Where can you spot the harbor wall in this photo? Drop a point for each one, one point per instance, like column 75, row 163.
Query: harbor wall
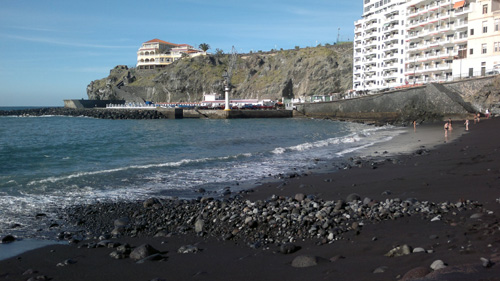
column 434, row 101
column 233, row 114
column 90, row 103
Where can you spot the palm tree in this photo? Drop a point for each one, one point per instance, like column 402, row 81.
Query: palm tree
column 204, row 47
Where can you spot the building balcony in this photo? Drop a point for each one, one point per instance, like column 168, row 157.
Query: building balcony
column 462, row 11
column 430, row 69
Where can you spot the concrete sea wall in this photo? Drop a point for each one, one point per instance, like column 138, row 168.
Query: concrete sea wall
column 433, row 101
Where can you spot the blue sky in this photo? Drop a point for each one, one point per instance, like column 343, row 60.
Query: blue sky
column 51, row 50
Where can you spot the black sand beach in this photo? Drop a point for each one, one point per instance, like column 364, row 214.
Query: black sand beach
column 435, row 204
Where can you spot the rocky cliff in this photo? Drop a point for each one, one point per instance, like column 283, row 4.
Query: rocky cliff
column 290, row 73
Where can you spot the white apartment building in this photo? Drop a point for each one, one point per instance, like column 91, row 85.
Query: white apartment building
column 158, row 53
column 379, row 45
column 436, row 35
column 483, row 48
column 401, row 43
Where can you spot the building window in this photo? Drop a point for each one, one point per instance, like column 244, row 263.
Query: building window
column 472, row 31
column 485, row 26
column 497, row 46
column 483, row 48
column 497, row 24
column 471, row 51
column 485, row 9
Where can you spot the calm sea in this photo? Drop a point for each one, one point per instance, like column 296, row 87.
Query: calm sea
column 53, row 161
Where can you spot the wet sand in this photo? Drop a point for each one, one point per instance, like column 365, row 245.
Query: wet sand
column 464, row 170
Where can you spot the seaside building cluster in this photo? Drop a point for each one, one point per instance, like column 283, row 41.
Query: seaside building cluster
column 157, row 53
column 405, row 43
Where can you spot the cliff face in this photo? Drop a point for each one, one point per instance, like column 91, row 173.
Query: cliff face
column 290, row 73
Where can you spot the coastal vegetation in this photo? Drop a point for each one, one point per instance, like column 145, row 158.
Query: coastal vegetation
column 300, row 72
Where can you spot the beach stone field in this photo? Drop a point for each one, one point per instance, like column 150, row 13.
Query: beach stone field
column 275, row 221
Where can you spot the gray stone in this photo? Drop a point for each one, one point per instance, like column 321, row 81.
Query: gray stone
column 300, row 197
column 438, row 264
column 305, row 261
column 149, row 202
column 399, row 251
column 198, row 225
column 476, row 216
column 353, row 197
column 188, row 249
column 289, row 248
column 117, row 255
column 66, row 262
column 118, row 230
column 415, row 273
column 486, row 262
column 419, row 250
column 124, row 221
column 8, row 239
column 142, row 252
column 381, row 269
column 124, row 249
column 339, row 205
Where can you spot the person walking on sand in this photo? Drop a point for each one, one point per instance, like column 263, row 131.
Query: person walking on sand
column 466, row 124
column 478, row 117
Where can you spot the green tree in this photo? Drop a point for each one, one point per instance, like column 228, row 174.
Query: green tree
column 219, row 52
column 204, row 47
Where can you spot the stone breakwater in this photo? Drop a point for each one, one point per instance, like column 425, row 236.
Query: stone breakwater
column 262, row 223
column 93, row 113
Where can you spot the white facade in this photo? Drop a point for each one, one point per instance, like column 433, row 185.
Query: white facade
column 401, row 43
column 158, row 53
column 437, row 34
column 483, row 49
column 379, row 45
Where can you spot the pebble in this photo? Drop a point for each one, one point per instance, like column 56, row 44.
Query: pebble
column 66, row 262
column 353, row 197
column 188, row 249
column 399, row 251
column 476, row 216
column 415, row 273
column 438, row 264
column 436, row 218
column 198, row 226
column 305, row 261
column 381, row 269
column 486, row 262
column 8, row 239
column 300, row 197
column 143, row 251
column 419, row 250
column 289, row 248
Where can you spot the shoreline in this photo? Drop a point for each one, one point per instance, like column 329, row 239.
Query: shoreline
column 405, row 175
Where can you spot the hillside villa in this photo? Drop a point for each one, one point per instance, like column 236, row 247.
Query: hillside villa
column 157, row 53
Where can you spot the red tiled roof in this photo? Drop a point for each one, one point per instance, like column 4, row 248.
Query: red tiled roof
column 161, row 41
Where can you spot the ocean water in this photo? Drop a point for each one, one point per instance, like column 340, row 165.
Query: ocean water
column 52, row 162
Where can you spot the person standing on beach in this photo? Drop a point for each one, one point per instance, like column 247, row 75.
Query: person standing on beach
column 449, row 124
column 414, row 125
column 446, row 126
column 466, row 124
